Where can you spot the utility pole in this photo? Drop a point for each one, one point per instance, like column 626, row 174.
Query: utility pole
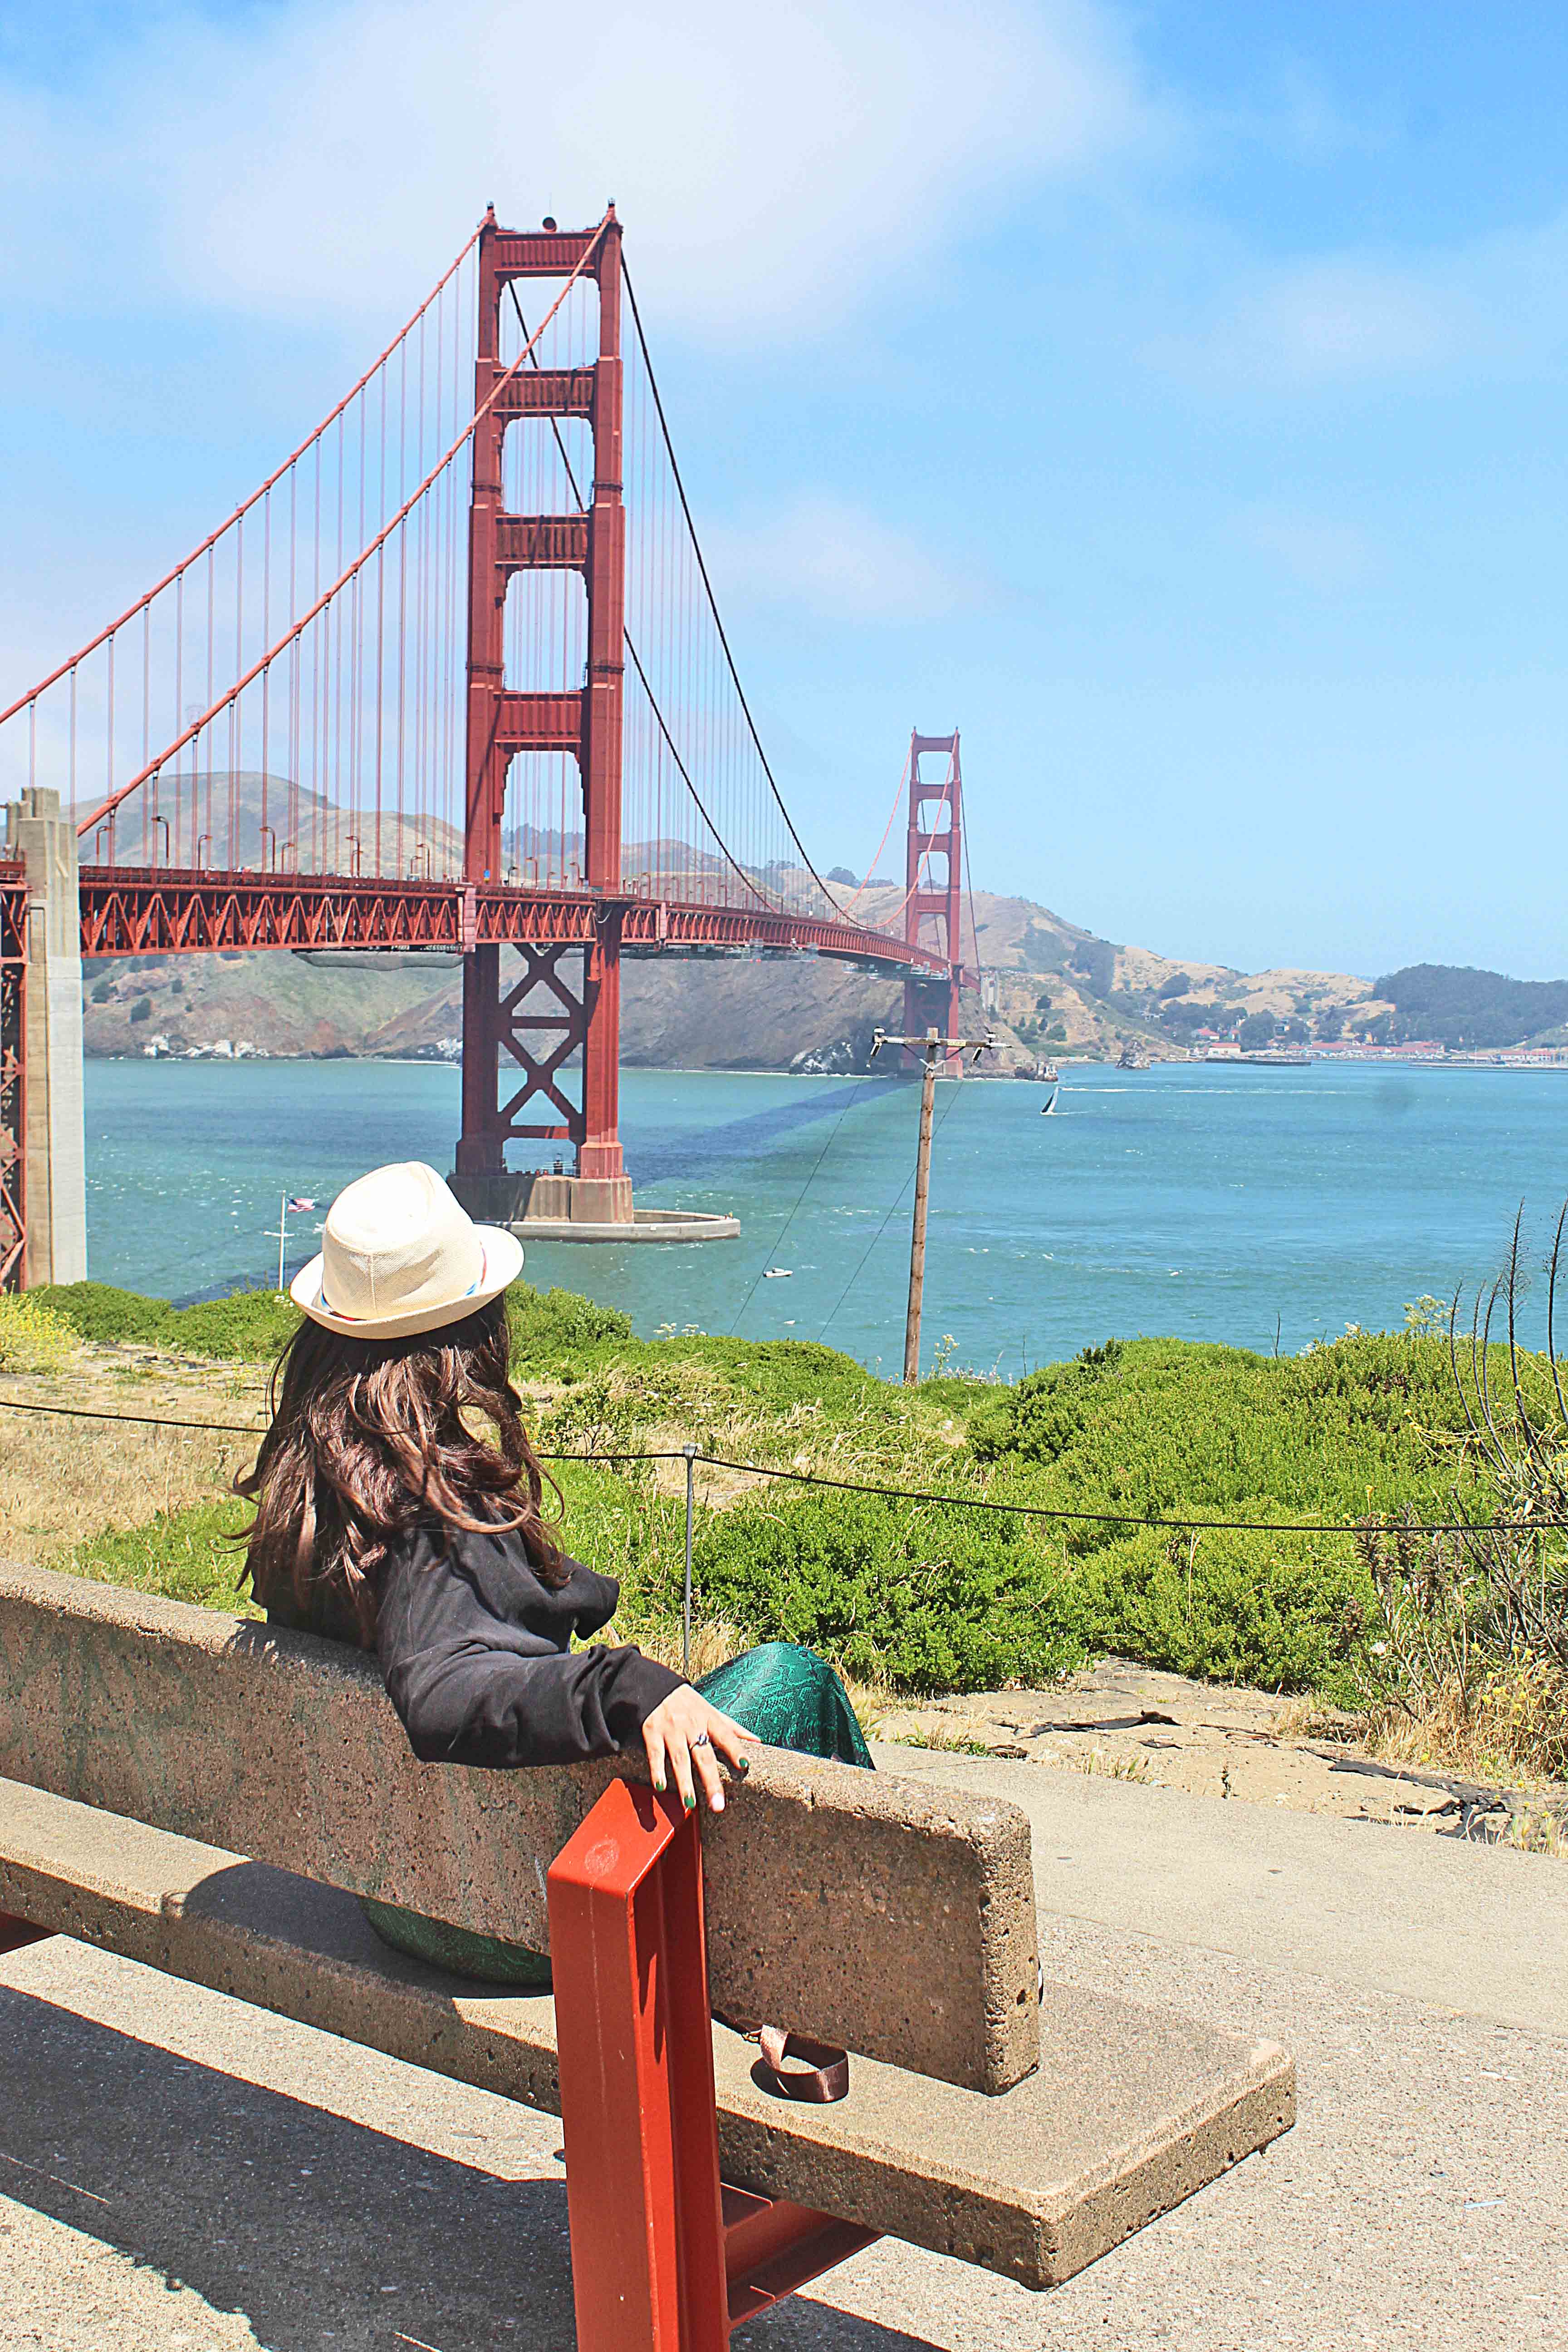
column 935, row 1048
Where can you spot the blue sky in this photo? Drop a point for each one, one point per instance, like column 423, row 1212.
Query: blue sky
column 1170, row 397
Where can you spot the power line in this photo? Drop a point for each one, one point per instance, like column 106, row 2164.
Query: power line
column 892, row 1210
column 789, row 1220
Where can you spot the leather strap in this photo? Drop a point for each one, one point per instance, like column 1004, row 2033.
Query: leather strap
column 821, row 2073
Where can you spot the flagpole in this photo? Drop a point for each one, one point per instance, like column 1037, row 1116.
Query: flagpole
column 282, row 1230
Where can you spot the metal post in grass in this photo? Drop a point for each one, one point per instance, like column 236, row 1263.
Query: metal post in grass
column 690, row 1452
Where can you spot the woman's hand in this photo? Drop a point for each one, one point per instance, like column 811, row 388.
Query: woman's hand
column 684, row 1732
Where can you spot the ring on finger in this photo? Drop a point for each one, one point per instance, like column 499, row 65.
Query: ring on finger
column 702, row 1740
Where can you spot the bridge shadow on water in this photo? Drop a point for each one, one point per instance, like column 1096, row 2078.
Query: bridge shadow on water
column 661, row 1153
column 672, row 1152
column 317, row 2231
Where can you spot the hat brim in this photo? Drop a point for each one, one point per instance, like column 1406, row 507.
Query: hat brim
column 502, row 1264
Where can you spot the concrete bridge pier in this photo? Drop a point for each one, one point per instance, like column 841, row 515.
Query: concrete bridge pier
column 43, row 840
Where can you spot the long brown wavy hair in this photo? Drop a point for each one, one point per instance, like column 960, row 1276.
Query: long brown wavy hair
column 368, row 1440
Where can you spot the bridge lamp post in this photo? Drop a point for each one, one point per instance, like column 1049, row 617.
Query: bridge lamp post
column 269, row 864
column 201, row 862
column 168, row 857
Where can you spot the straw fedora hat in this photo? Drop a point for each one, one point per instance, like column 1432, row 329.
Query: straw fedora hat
column 399, row 1255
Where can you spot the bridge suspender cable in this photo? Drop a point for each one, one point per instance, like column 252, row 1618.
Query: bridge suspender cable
column 258, row 669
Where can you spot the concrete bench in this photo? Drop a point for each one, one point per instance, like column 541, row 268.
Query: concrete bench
column 207, row 1796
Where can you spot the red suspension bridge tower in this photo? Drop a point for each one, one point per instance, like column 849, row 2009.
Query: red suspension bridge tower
column 933, row 868
column 540, row 1022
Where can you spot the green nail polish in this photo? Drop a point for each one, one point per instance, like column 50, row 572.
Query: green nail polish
column 659, row 1787
column 688, row 1802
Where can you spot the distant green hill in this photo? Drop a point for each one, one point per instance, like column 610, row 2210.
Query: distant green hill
column 1457, row 1006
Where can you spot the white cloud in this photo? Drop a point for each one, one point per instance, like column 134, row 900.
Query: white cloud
column 838, row 562
column 1492, row 305
column 771, row 165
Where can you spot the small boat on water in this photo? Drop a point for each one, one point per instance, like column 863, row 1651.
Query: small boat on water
column 778, row 1273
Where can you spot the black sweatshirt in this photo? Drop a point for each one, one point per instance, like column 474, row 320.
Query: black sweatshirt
column 477, row 1654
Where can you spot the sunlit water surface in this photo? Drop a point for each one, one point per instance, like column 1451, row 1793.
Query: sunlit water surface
column 1252, row 1205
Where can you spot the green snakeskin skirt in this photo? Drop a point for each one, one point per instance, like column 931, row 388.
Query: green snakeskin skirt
column 784, row 1694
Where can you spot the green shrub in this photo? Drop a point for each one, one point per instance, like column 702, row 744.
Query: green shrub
column 552, row 1328
column 1234, row 1608
column 928, row 1599
column 34, row 1336
column 251, row 1325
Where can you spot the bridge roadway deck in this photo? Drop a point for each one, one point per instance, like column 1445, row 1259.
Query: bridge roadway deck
column 162, row 910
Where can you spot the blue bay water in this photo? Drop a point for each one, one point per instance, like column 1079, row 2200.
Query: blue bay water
column 1210, row 1202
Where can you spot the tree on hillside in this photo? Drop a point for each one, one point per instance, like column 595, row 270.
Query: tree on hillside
column 1257, row 1030
column 1459, row 1006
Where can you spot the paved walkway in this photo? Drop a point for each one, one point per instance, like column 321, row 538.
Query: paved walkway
column 177, row 2170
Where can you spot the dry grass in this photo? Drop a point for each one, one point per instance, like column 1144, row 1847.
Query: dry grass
column 64, row 1482
column 1513, row 1731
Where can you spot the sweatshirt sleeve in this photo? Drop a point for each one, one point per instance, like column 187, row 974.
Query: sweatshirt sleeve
column 472, row 1688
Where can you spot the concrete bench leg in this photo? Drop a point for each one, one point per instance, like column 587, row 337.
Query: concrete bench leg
column 663, row 2258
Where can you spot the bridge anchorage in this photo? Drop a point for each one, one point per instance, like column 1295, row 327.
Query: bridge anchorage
column 453, row 681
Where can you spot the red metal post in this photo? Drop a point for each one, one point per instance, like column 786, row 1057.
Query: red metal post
column 663, row 2257
column 587, row 723
column 933, row 889
column 636, row 2079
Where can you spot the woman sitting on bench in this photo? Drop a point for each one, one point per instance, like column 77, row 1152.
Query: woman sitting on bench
column 398, row 1505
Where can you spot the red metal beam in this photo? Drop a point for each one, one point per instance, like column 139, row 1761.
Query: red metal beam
column 550, row 542
column 163, row 911
column 665, row 2257
column 538, row 722
column 545, row 392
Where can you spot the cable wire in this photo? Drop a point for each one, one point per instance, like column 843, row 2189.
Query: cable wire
column 897, row 1494
column 631, row 648
column 789, row 1220
column 887, row 1221
column 708, row 586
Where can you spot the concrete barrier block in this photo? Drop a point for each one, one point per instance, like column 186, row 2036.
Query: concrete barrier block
column 896, row 1919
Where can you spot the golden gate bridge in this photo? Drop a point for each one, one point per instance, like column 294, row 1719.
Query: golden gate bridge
column 453, row 677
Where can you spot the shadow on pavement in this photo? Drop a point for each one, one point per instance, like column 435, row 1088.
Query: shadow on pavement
column 320, row 2231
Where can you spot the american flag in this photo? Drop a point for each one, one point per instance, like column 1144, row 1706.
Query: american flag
column 297, row 1203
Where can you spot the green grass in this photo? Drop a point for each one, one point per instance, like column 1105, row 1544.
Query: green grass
column 180, row 1555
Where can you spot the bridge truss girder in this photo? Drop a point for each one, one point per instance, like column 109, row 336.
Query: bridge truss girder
column 160, row 910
